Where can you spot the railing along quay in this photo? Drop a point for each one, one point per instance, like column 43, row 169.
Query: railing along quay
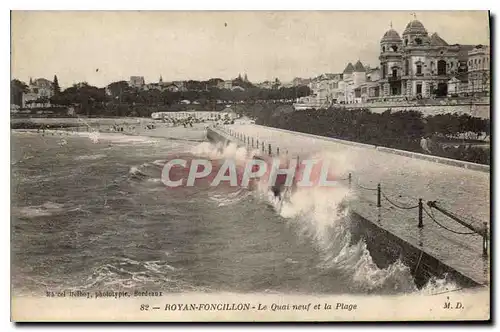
column 474, row 226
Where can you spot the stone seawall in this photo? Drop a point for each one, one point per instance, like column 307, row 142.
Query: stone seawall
column 385, row 245
column 422, row 265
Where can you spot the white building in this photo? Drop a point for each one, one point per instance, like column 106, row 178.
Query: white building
column 39, row 92
column 479, row 69
column 137, row 82
column 228, row 85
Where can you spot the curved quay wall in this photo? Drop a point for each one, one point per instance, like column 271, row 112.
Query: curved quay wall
column 384, row 246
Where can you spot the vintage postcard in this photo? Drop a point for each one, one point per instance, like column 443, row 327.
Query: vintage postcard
column 250, row 166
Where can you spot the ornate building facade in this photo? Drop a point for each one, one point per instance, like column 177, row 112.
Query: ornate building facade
column 413, row 65
column 419, row 65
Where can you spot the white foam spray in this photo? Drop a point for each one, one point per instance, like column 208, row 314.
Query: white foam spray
column 321, row 215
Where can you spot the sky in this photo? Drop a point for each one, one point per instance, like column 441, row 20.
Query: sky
column 101, row 47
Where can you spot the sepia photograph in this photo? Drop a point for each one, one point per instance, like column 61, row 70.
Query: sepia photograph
column 250, row 166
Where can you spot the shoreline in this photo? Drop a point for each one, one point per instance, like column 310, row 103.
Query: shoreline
column 197, row 133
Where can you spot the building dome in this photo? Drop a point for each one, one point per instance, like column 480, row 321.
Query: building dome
column 391, row 36
column 415, row 27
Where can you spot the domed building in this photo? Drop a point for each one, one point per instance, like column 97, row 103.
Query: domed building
column 391, row 61
column 417, row 65
column 413, row 65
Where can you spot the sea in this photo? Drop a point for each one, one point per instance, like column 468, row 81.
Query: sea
column 89, row 212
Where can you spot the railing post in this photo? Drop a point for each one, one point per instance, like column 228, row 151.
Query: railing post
column 350, row 179
column 485, row 240
column 420, row 215
column 378, row 195
column 252, row 142
column 262, row 146
column 257, row 144
column 270, row 151
column 278, row 150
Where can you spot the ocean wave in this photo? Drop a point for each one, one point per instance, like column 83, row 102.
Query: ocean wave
column 116, row 138
column 437, row 286
column 321, row 215
column 317, row 215
column 159, row 162
column 231, row 198
column 221, row 151
column 90, row 157
column 133, row 274
column 44, row 210
column 136, row 171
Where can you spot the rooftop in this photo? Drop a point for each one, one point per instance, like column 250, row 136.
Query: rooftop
column 359, row 68
column 349, row 69
column 415, row 27
column 436, row 40
column 391, row 36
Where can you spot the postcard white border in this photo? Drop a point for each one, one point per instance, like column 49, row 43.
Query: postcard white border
column 186, row 5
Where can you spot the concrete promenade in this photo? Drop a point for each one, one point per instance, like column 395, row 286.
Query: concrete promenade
column 403, row 181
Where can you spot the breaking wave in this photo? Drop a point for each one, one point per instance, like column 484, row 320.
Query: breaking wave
column 230, row 198
column 90, row 157
column 321, row 216
column 220, row 151
column 44, row 210
column 126, row 273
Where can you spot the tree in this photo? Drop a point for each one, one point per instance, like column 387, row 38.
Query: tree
column 116, row 89
column 55, row 86
column 276, row 83
column 87, row 97
column 213, row 82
